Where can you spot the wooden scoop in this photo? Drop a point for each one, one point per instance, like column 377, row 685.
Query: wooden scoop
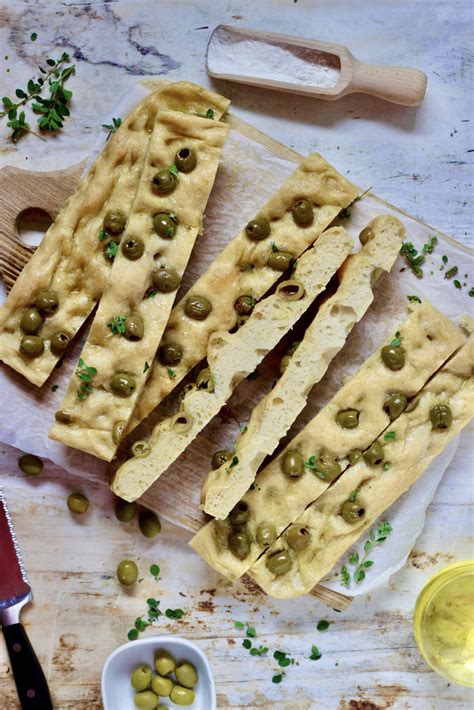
column 400, row 85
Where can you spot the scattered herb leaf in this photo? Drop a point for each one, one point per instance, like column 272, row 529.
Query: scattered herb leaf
column 413, row 259
column 111, row 250
column 246, row 643
column 151, row 293
column 323, row 625
column 33, row 36
column 210, row 113
column 428, row 248
column 174, row 170
column 251, row 631
column 277, row 678
column 414, row 299
column 375, row 539
column 234, row 462
column 386, row 466
column 283, row 659
column 174, row 613
column 444, row 259
column 146, row 367
column 389, row 436
column 132, row 635
column 171, row 372
column 155, row 571
column 397, row 341
column 258, row 651
column 86, row 375
column 239, row 625
column 457, row 284
column 117, row 326
column 102, row 235
column 112, row 127
column 315, row 653
column 353, row 496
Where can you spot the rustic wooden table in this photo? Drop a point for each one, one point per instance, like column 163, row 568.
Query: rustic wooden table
column 420, row 161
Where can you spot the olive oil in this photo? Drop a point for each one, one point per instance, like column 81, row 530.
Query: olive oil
column 444, row 622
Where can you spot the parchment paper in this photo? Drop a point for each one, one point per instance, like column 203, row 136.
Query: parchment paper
column 248, row 175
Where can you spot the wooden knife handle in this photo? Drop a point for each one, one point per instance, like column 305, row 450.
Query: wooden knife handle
column 30, row 681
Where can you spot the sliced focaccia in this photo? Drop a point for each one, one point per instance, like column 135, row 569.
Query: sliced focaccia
column 231, row 357
column 373, row 397
column 324, row 338
column 164, row 223
column 251, row 263
column 339, row 517
column 65, row 277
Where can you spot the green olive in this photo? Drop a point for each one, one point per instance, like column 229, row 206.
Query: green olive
column 279, row 562
column 292, row 464
column 164, row 662
column 365, row 235
column 197, row 307
column 240, row 514
column 205, row 380
column 114, row 222
column 125, row 511
column 186, row 674
column 441, row 416
column 185, row 160
column 395, row 405
column 59, row 343
column 182, row 696
column 77, row 503
column 352, row 511
column 165, row 279
column 63, row 417
column 284, row 362
column 393, row 357
column 133, row 248
column 165, row 224
column 220, row 458
column 182, row 422
column 117, row 431
column 30, row 464
column 189, row 387
column 122, row 384
column 31, row 321
column 266, row 534
column 140, row 449
column 280, row 260
column 162, row 686
column 354, row 455
column 170, row 353
column 239, row 543
column 146, row 700
column 291, row 290
column 164, row 181
column 244, row 305
column 141, row 678
column 348, row 418
column 298, row 537
column 257, row 229
column 327, row 467
column 149, row 523
column 47, row 302
column 302, row 212
column 134, row 327
column 32, row 345
column 127, row 572
column 374, row 455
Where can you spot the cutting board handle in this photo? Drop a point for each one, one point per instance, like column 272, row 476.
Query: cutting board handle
column 21, row 190
column 400, row 85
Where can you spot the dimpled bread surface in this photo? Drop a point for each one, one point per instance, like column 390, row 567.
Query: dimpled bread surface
column 429, row 338
column 323, row 339
column 231, row 357
column 241, row 268
column 415, row 445
column 94, row 417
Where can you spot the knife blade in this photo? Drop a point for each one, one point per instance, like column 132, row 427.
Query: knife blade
column 15, row 592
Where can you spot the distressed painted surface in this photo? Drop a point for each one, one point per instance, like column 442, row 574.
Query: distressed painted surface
column 420, row 161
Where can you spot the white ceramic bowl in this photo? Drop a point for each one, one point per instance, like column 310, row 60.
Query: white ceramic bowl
column 117, row 693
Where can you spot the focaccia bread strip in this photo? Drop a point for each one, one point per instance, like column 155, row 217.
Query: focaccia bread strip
column 243, row 267
column 323, row 339
column 71, row 260
column 443, row 407
column 287, row 486
column 231, row 357
column 129, row 322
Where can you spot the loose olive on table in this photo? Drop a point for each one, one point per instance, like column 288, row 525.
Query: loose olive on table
column 77, row 503
column 32, row 345
column 162, row 686
column 279, row 562
column 127, row 572
column 182, row 696
column 393, row 357
column 266, row 534
column 244, row 305
column 141, row 678
column 186, row 674
column 165, row 279
column 365, row 235
column 280, row 260
column 374, row 454
column 59, row 343
column 197, row 307
column 348, row 418
column 170, row 353
column 292, row 464
column 122, row 384
column 165, row 224
column 30, row 464
column 239, row 543
column 394, row 405
column 164, row 662
column 47, row 302
column 257, row 229
column 133, row 248
column 114, row 222
column 441, row 416
column 149, row 523
column 352, row 511
column 134, row 327
column 164, row 181
column 185, row 160
column 221, row 457
column 302, row 212
column 31, row 321
column 205, row 380
column 239, row 514
column 298, row 537
column 147, row 700
column 125, row 511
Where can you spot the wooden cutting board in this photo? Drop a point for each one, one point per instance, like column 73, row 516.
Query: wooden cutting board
column 21, row 190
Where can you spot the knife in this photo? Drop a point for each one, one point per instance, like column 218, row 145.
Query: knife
column 15, row 592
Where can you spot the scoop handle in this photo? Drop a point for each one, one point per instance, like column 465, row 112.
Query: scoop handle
column 400, row 85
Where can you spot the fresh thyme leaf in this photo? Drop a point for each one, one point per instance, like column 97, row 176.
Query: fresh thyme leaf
column 444, row 259
column 243, row 429
column 174, row 170
column 413, row 259
column 386, row 466
column 155, row 571
column 471, row 292
column 354, row 558
column 397, row 340
column 353, row 496
column 389, row 436
column 112, row 127
column 234, row 462
column 414, row 299
column 141, row 624
column 258, row 651
column 33, row 36
column 210, row 113
column 323, row 625
column 246, row 643
column 251, row 631
column 174, row 613
column 277, row 678
column 146, row 367
column 252, row 298
column 375, row 539
column 132, row 635
column 430, row 245
column 239, row 625
column 102, row 235
column 457, row 284
column 85, row 374
column 283, row 659
column 117, row 326
column 315, row 653
column 171, row 372
column 151, row 293
column 274, row 247
column 111, row 250
column 346, row 577
column 451, row 272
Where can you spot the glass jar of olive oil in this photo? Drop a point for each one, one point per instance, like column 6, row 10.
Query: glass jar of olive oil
column 443, row 623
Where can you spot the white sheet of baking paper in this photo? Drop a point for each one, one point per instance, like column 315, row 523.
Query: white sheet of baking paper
column 248, row 175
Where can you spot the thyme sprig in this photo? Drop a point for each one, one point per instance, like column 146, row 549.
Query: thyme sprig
column 86, row 374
